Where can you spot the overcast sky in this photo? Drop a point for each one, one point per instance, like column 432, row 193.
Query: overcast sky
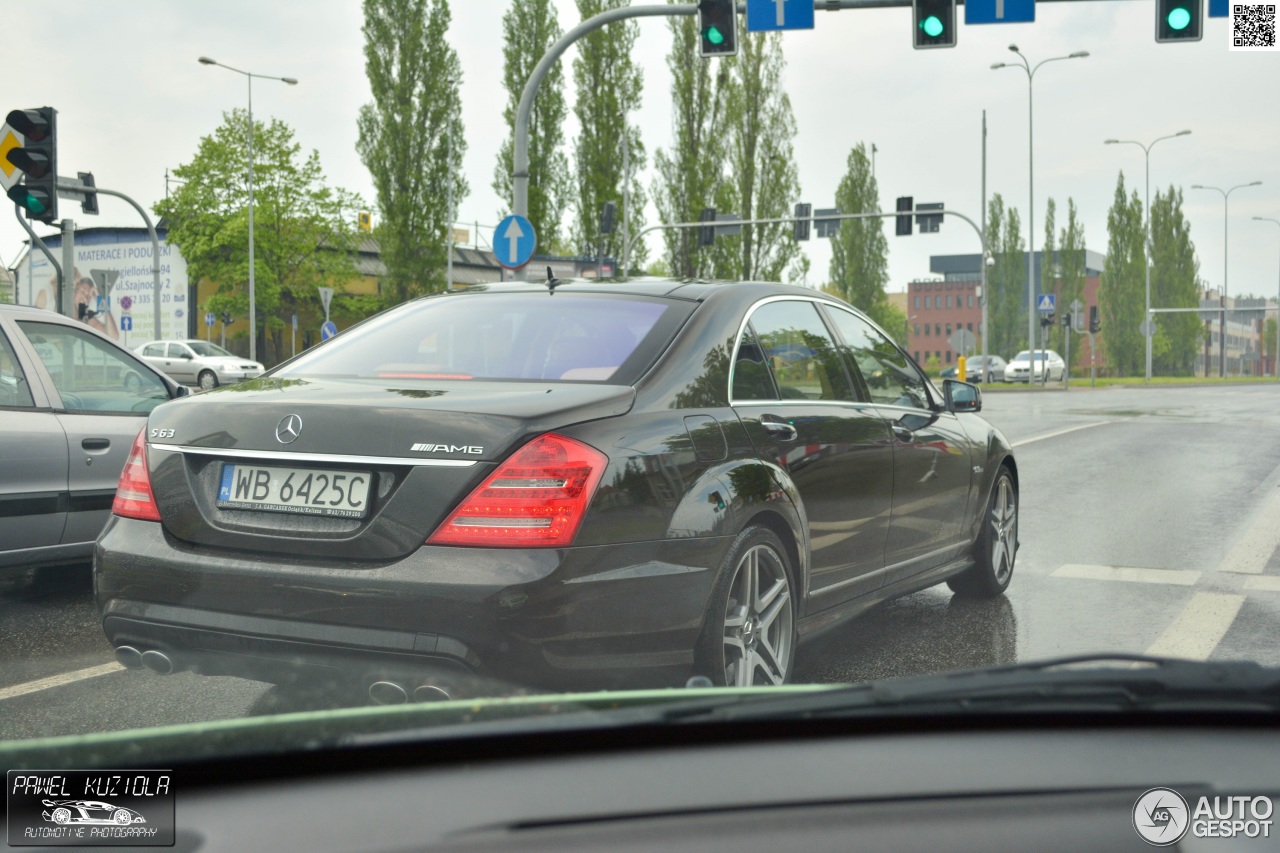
column 132, row 100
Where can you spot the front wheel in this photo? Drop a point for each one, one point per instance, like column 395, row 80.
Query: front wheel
column 996, row 547
column 749, row 637
column 208, row 380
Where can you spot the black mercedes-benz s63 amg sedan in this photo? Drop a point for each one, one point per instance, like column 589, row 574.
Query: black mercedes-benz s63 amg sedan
column 581, row 483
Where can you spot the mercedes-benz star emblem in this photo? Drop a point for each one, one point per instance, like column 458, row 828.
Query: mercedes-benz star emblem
column 289, row 428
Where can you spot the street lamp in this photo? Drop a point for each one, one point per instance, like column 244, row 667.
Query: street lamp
column 626, row 187
column 1146, row 151
column 1031, row 210
column 1222, row 299
column 1264, row 324
column 253, row 313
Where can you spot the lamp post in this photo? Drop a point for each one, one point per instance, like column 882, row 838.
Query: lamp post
column 1146, row 243
column 253, row 308
column 1222, row 299
column 1276, row 354
column 626, row 188
column 1031, row 70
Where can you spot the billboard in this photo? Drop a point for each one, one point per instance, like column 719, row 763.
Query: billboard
column 114, row 281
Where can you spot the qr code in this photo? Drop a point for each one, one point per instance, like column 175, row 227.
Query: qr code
column 1253, row 26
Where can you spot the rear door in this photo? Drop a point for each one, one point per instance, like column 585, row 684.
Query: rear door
column 33, row 453
column 180, row 363
column 104, row 395
column 793, row 394
column 932, row 453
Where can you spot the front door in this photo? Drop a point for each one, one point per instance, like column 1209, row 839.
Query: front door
column 799, row 405
column 932, row 454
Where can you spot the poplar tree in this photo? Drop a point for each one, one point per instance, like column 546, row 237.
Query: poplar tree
column 1121, row 293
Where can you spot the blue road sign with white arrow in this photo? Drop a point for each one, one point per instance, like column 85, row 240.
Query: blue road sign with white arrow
column 765, row 15
column 209, row 318
column 999, row 11
column 514, row 241
column 328, row 330
column 126, row 323
column 1046, row 303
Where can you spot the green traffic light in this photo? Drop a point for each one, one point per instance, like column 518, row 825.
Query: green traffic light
column 714, row 35
column 1179, row 18
column 932, row 26
column 28, row 201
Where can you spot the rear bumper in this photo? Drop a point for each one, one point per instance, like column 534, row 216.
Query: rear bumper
column 591, row 617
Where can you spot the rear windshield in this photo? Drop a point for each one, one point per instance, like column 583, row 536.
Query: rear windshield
column 512, row 336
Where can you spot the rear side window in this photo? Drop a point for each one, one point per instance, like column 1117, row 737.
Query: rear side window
column 800, row 352
column 532, row 336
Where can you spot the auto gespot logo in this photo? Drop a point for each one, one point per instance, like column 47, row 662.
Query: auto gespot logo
column 1162, row 816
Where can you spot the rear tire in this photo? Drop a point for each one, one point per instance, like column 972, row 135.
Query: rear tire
column 996, row 548
column 749, row 631
column 208, row 380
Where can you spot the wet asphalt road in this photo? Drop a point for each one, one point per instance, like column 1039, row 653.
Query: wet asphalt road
column 1135, row 505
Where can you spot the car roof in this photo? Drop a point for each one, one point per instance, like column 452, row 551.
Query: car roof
column 690, row 289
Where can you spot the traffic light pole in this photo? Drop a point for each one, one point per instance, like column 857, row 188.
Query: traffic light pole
column 71, row 186
column 38, row 243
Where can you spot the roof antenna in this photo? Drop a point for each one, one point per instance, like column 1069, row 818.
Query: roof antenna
column 552, row 282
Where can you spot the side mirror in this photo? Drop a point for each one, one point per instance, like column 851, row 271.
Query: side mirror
column 186, row 356
column 181, row 391
column 961, row 396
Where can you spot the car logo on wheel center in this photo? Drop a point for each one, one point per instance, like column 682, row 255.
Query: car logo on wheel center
column 289, row 428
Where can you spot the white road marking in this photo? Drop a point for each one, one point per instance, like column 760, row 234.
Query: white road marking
column 1057, row 433
column 1252, row 551
column 1178, row 577
column 1198, row 629
column 1267, row 583
column 58, row 680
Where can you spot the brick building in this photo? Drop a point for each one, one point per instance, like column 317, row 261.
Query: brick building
column 938, row 306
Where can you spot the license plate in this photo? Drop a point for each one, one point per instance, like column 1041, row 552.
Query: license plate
column 309, row 492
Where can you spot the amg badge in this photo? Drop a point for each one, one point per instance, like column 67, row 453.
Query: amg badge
column 447, row 448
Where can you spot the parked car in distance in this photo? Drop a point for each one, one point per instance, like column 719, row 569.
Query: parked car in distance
column 1019, row 370
column 72, row 403
column 507, row 479
column 196, row 362
column 973, row 369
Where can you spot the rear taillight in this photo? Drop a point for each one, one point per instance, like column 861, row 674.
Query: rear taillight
column 133, row 495
column 536, row 499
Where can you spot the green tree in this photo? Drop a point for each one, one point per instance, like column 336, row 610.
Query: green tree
column 859, row 253
column 1072, row 271
column 1121, row 290
column 1174, row 276
column 304, row 230
column 764, row 182
column 690, row 173
column 1269, row 338
column 411, row 138
column 1006, row 279
column 529, row 28
column 608, row 84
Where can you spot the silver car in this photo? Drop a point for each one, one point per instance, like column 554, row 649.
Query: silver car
column 195, row 362
column 72, row 403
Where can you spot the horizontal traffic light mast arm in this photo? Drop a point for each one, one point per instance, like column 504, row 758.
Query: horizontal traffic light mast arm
column 778, row 220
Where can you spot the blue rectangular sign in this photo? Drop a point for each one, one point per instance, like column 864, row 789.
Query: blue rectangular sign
column 1046, row 304
column 999, row 11
column 765, row 15
column 1219, row 8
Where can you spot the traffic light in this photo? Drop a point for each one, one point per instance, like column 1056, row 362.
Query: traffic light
column 707, row 233
column 607, row 216
column 89, row 202
column 38, row 160
column 1179, row 20
column 803, row 212
column 1094, row 325
column 1066, row 321
column 718, row 26
column 935, row 23
column 905, row 205
column 1046, row 320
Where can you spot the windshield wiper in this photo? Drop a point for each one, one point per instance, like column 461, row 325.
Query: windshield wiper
column 1110, row 682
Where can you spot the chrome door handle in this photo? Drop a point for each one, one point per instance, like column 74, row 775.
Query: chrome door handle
column 780, row 430
column 903, row 434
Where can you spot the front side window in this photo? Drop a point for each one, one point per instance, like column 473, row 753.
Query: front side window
column 90, row 374
column 885, row 369
column 205, row 349
column 800, row 352
column 15, row 393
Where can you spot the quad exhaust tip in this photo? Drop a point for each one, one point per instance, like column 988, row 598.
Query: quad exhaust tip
column 157, row 662
column 387, row 693
column 129, row 657
column 430, row 693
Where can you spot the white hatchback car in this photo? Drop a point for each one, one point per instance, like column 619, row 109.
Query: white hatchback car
column 195, row 362
column 1019, row 370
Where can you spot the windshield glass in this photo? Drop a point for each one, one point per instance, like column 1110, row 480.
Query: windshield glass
column 886, row 342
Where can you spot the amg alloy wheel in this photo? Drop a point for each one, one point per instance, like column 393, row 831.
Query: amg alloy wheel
column 996, row 547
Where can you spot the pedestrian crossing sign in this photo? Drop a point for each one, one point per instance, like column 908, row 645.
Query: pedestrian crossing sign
column 1046, row 304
